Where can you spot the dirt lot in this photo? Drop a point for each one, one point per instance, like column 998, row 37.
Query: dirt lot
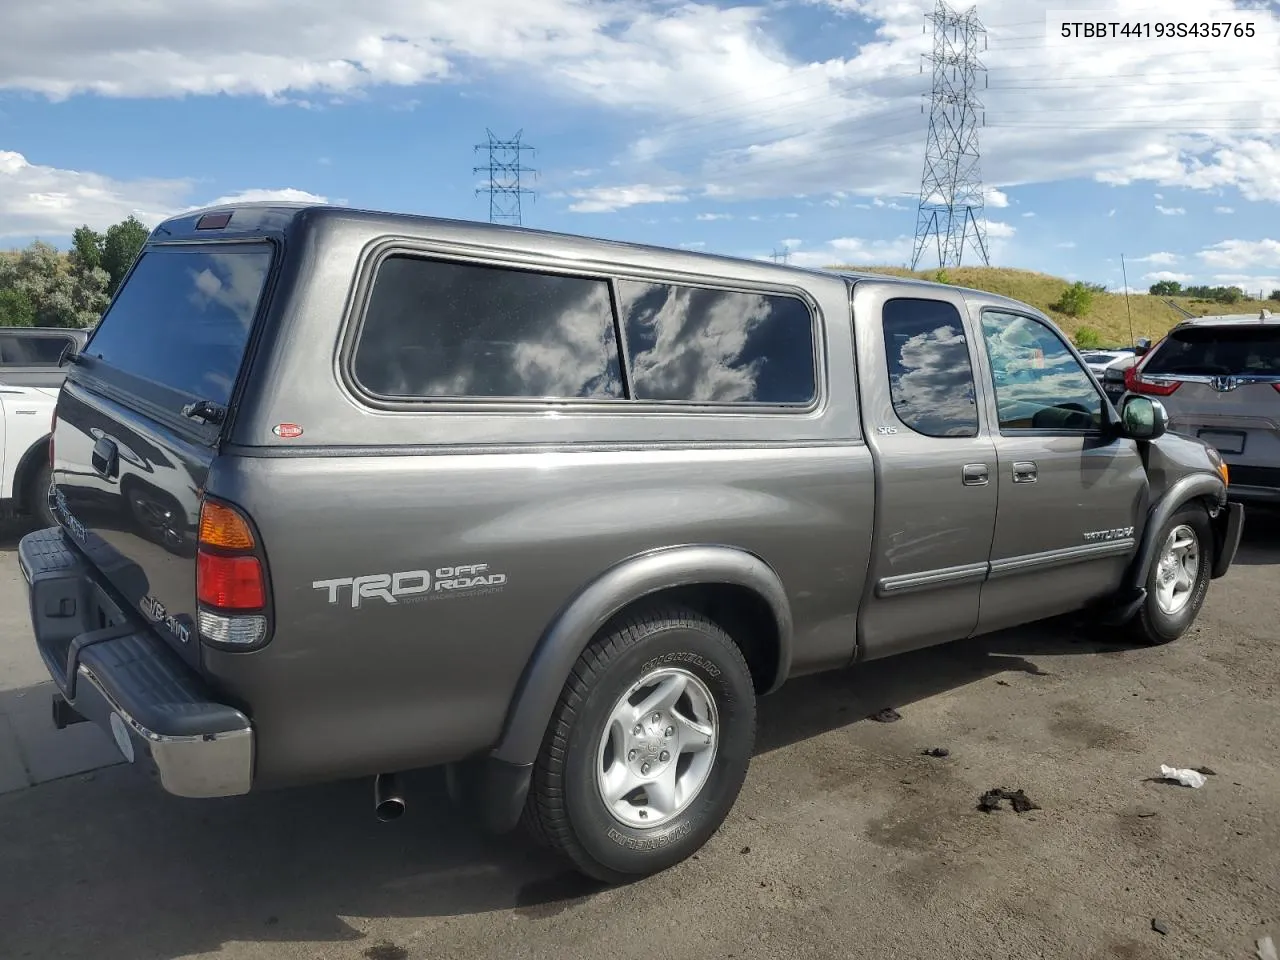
column 847, row 841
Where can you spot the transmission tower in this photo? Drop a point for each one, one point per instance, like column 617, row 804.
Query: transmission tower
column 951, row 199
column 504, row 169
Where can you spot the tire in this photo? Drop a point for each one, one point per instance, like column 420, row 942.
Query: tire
column 566, row 808
column 1159, row 620
column 37, row 498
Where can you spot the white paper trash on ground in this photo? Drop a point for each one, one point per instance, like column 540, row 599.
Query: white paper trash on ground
column 1188, row 778
column 1267, row 949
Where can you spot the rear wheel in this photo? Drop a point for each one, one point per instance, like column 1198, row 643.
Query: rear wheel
column 648, row 747
column 37, row 498
column 1179, row 576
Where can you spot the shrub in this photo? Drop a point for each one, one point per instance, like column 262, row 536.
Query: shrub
column 1087, row 338
column 1075, row 300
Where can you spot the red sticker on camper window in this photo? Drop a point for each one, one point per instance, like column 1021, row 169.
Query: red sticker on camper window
column 287, row 430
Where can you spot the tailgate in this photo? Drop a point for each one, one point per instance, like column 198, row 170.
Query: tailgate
column 139, row 420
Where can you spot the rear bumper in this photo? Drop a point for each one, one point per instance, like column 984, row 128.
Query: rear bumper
column 111, row 669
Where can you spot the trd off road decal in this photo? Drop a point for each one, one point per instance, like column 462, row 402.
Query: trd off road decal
column 411, row 586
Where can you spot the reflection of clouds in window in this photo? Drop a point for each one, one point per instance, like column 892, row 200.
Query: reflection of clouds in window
column 716, row 346
column 462, row 330
column 1034, row 370
column 934, row 393
column 231, row 281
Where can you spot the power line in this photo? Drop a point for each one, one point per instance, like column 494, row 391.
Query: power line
column 504, row 169
column 951, row 196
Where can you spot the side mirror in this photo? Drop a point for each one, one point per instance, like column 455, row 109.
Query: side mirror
column 1142, row 347
column 1143, row 418
column 70, row 354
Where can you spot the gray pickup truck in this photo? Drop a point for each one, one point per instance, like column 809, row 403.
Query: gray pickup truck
column 344, row 494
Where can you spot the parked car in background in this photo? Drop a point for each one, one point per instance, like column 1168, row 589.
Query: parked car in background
column 1219, row 379
column 30, row 377
column 1098, row 360
column 342, row 493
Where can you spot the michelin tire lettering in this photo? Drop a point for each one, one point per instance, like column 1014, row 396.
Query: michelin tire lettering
column 411, row 585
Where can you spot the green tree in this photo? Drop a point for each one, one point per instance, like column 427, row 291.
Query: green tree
column 1075, row 300
column 16, row 308
column 86, row 247
column 61, row 293
column 120, row 248
column 1275, row 295
column 1165, row 288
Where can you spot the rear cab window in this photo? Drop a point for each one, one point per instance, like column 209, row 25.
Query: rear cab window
column 180, row 326
column 31, row 349
column 1217, row 351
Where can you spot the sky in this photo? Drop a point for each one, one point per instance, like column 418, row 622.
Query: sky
column 744, row 128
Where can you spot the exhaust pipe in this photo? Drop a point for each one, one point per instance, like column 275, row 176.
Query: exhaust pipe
column 388, row 797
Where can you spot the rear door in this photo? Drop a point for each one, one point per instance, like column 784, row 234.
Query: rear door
column 1219, row 382
column 935, row 463
column 140, row 415
column 1071, row 491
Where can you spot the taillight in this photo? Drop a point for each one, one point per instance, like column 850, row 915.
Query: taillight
column 231, row 579
column 1277, row 387
column 1134, row 382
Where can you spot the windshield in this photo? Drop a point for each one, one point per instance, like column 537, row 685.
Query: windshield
column 1218, row 351
column 183, row 317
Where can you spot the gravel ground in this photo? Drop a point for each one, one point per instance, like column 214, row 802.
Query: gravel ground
column 847, row 841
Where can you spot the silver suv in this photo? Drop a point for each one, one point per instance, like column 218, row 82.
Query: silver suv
column 1219, row 378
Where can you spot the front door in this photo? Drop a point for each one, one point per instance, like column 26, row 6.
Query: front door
column 1071, row 491
column 936, row 469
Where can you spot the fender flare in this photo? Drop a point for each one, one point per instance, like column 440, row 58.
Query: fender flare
column 25, row 464
column 591, row 608
column 1183, row 490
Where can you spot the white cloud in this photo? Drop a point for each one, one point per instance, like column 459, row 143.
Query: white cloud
column 1242, row 254
column 38, row 200
column 1170, row 211
column 285, row 195
column 995, row 198
column 612, row 199
column 1160, row 275
column 1159, row 196
column 1067, row 245
column 1160, row 258
column 1111, row 212
column 694, row 245
column 710, row 88
column 997, row 229
column 1251, row 284
column 1029, row 213
column 715, row 216
column 888, row 205
column 1223, row 210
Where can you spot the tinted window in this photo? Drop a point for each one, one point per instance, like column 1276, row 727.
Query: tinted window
column 29, row 350
column 1039, row 384
column 183, row 318
column 713, row 346
column 435, row 329
column 930, row 373
column 1217, row 351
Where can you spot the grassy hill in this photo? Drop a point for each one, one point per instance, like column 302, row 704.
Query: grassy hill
column 1107, row 314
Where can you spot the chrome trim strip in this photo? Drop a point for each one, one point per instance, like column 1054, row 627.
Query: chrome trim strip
column 928, row 579
column 1035, row 562
column 203, row 765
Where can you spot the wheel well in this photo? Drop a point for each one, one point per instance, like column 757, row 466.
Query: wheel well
column 740, row 611
column 30, row 462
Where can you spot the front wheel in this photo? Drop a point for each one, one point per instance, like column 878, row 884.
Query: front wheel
column 648, row 747
column 1179, row 576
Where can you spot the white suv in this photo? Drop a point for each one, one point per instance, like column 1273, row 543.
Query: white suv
column 30, row 377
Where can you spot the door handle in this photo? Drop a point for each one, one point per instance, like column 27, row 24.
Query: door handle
column 105, row 458
column 976, row 474
column 1024, row 471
